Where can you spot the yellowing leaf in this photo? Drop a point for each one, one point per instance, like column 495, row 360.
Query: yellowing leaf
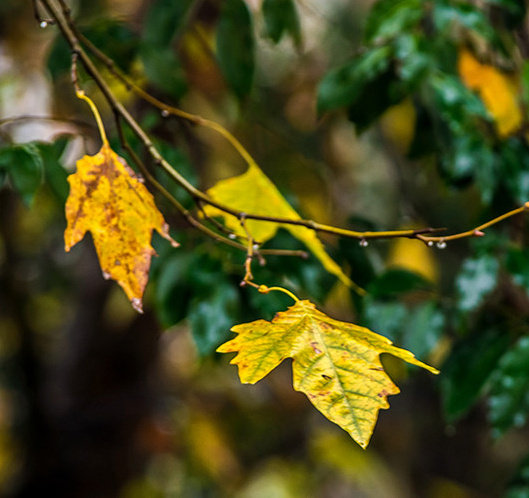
column 336, row 364
column 497, row 90
column 110, row 202
column 252, row 192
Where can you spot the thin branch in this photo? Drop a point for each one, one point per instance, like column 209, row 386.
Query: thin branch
column 36, row 12
column 30, row 117
column 200, row 196
column 478, row 231
column 72, row 36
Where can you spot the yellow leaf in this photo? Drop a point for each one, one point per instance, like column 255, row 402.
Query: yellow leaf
column 497, row 90
column 110, row 202
column 336, row 364
column 252, row 192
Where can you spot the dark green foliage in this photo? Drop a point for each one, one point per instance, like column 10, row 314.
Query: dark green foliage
column 519, row 484
column 390, row 18
column 468, row 368
column 29, row 165
column 281, row 18
column 120, row 42
column 163, row 23
column 395, row 282
column 509, row 397
column 235, row 46
column 476, row 280
column 517, row 264
column 24, row 167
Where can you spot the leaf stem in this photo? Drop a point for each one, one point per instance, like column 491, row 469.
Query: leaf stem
column 264, row 289
column 79, row 93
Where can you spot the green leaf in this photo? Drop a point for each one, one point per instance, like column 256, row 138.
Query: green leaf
column 162, row 67
column 514, row 157
column 389, row 18
column 394, row 282
column 417, row 328
column 164, row 70
column 518, row 265
column 235, row 46
column 164, row 19
column 509, row 397
column 388, row 317
column 467, row 370
column 519, row 485
column 212, row 315
column 281, row 17
column 25, row 168
column 120, row 44
column 476, row 280
column 423, row 329
column 54, row 172
column 173, row 288
column 445, row 15
column 411, row 51
column 468, row 157
column 458, row 105
column 343, row 86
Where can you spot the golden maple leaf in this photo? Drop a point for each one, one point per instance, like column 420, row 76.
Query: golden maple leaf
column 497, row 90
column 336, row 364
column 108, row 200
column 252, row 192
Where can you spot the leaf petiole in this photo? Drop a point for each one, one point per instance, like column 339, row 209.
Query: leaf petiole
column 264, row 289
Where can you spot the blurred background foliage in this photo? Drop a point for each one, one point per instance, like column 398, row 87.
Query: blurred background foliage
column 372, row 115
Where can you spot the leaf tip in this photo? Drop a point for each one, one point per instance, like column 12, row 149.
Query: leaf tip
column 137, row 304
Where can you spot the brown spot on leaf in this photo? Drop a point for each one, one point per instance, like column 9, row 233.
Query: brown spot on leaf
column 314, row 346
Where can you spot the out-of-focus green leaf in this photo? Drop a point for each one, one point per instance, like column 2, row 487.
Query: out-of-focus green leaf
column 54, row 172
column 118, row 40
column 468, row 157
column 235, row 46
column 514, row 157
column 477, row 279
column 423, row 328
column 468, row 368
column 173, row 289
column 418, row 327
column 281, row 17
column 509, row 397
column 519, row 485
column 518, row 265
column 163, row 20
column 24, row 166
column 389, row 18
column 344, row 85
column 162, row 67
column 386, row 318
column 182, row 164
column 446, row 15
column 456, row 103
column 414, row 60
column 394, row 282
column 211, row 316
